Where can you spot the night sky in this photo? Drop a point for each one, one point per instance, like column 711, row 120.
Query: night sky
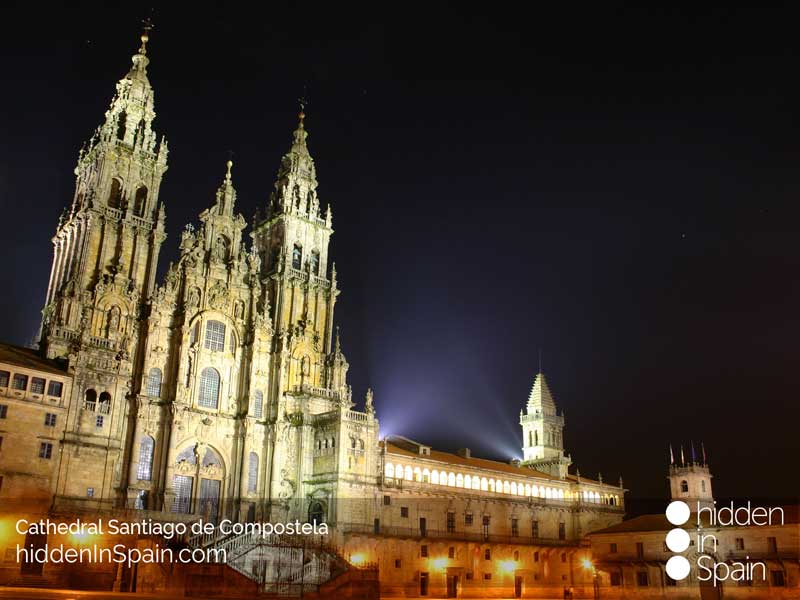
column 616, row 186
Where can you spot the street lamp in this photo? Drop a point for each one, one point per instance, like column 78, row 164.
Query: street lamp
column 589, row 566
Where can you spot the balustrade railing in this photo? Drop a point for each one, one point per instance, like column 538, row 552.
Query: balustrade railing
column 313, row 390
column 471, row 536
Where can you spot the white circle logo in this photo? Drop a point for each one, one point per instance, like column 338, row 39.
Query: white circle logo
column 678, row 512
column 677, row 540
column 678, row 568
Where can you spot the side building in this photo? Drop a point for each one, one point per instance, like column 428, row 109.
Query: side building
column 444, row 524
column 755, row 561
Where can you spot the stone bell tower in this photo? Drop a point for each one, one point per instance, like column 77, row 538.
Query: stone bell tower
column 691, row 481
column 292, row 239
column 106, row 250
column 543, row 431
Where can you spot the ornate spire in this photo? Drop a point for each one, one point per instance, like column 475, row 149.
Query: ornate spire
column 541, row 397
column 300, row 134
column 140, row 60
column 296, row 185
column 226, row 194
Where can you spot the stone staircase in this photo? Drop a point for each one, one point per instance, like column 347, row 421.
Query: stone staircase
column 293, row 566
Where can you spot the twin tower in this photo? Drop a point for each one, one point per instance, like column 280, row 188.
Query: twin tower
column 192, row 394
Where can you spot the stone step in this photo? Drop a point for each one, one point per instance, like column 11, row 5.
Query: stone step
column 31, row 581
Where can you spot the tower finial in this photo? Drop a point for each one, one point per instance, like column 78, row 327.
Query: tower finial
column 147, row 26
column 229, row 164
column 671, row 456
column 703, row 450
column 303, row 101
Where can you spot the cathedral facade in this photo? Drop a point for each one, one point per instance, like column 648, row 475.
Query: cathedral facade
column 221, row 391
column 206, row 393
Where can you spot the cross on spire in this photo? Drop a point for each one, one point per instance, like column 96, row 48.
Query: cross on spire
column 147, row 27
column 303, row 101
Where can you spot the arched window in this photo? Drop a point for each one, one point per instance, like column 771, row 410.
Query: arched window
column 315, row 262
column 460, row 480
column 325, row 445
column 208, row 395
column 90, row 400
column 506, row 487
column 426, row 476
column 435, row 477
column 252, row 473
column 215, row 336
column 451, row 479
column 115, row 195
column 333, row 443
column 684, row 486
column 360, row 444
column 104, row 404
column 144, row 472
column 258, row 403
column 316, row 513
column 122, row 124
column 139, row 132
column 154, row 382
column 476, row 483
column 527, row 489
column 140, row 201
column 514, row 487
column 297, row 257
column 353, row 443
column 535, row 438
column 389, row 471
column 409, row 473
column 417, row 474
column 491, row 485
column 484, row 484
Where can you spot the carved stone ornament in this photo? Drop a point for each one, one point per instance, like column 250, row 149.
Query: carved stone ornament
column 185, row 468
column 218, row 296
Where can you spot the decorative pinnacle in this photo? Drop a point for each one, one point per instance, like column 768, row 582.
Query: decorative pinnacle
column 303, row 101
column 229, row 164
column 147, row 26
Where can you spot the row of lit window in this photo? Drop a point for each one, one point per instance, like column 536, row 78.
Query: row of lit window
column 37, row 384
column 49, row 419
column 208, row 392
column 144, row 469
column 483, row 484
